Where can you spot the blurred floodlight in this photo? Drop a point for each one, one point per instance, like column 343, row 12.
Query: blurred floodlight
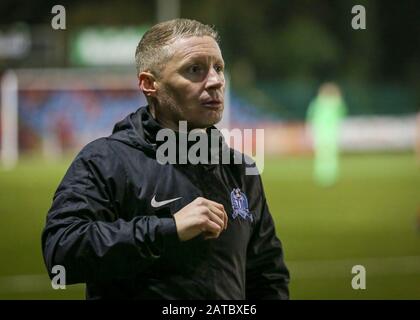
column 106, row 46
column 15, row 43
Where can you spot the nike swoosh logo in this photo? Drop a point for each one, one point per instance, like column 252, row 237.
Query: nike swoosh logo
column 157, row 204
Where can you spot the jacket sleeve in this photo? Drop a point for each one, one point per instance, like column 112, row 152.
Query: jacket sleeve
column 267, row 276
column 84, row 234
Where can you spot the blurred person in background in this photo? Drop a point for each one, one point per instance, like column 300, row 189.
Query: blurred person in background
column 324, row 117
column 132, row 228
column 417, row 152
column 417, row 139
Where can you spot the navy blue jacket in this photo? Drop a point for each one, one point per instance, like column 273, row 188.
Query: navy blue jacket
column 103, row 228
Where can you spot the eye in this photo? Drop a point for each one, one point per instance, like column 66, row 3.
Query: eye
column 219, row 68
column 195, row 69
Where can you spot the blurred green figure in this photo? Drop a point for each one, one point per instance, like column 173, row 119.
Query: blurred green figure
column 324, row 116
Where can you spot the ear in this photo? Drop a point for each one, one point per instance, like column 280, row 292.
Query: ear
column 147, row 84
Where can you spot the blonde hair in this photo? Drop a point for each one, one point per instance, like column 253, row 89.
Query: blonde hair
column 152, row 51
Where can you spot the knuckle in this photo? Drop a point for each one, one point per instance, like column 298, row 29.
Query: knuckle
column 204, row 221
column 200, row 201
column 204, row 212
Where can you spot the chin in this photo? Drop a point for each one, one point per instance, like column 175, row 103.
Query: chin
column 210, row 120
column 201, row 124
column 205, row 120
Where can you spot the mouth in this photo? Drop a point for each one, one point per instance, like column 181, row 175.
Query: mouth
column 212, row 103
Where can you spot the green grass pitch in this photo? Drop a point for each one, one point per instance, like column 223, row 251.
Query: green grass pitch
column 369, row 218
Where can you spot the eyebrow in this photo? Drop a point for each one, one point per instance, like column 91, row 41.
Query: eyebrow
column 202, row 57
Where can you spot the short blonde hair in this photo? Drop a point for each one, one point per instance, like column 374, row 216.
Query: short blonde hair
column 152, row 52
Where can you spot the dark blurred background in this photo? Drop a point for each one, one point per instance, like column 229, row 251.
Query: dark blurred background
column 275, row 47
column 61, row 89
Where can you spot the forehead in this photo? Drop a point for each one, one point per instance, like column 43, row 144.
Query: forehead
column 188, row 48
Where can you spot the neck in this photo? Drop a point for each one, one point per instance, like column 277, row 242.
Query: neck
column 168, row 124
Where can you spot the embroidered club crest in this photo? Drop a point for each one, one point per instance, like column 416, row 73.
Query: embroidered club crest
column 240, row 205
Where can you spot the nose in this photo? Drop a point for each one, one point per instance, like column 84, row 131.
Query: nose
column 215, row 80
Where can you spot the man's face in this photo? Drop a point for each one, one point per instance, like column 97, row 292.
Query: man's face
column 191, row 85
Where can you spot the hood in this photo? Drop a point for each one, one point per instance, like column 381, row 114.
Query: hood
column 139, row 130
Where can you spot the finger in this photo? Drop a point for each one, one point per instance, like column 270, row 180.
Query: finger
column 208, row 236
column 226, row 219
column 219, row 206
column 221, row 213
column 216, row 204
column 216, row 217
column 213, row 228
column 222, row 207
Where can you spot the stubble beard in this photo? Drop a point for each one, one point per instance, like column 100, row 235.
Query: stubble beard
column 173, row 113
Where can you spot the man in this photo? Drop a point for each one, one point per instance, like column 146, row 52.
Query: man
column 325, row 114
column 130, row 227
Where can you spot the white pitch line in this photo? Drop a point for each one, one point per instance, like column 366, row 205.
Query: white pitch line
column 24, row 283
column 305, row 269
column 381, row 266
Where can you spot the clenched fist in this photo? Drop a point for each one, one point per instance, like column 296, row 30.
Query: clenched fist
column 201, row 216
